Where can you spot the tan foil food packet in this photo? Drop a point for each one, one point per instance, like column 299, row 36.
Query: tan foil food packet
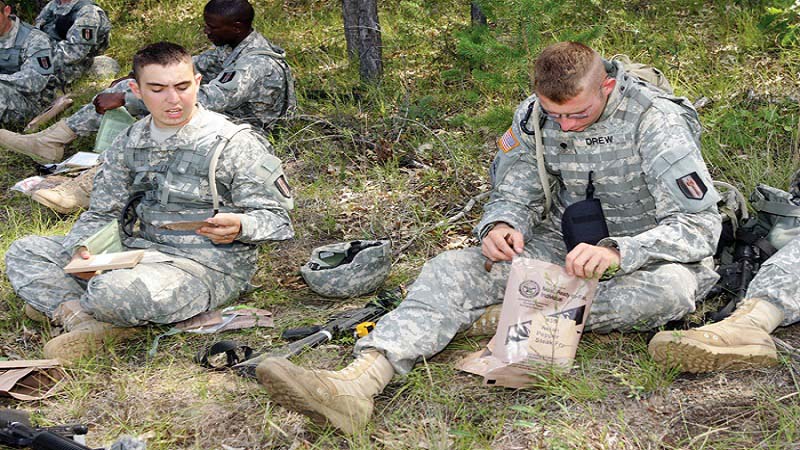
column 543, row 315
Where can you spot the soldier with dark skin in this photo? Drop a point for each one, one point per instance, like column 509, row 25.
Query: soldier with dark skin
column 245, row 76
column 165, row 160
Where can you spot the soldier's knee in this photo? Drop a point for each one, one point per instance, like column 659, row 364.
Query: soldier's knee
column 116, row 298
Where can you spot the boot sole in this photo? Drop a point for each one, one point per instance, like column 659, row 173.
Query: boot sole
column 696, row 357
column 277, row 376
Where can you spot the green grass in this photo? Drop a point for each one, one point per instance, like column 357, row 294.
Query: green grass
column 448, row 92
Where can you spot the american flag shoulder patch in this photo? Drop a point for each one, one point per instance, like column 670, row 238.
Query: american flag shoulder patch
column 507, row 141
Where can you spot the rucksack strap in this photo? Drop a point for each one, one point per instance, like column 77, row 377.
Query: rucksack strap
column 212, row 166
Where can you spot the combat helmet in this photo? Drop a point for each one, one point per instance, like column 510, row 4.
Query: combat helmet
column 348, row 269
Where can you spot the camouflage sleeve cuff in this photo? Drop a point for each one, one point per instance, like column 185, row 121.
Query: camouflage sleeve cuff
column 488, row 222
column 631, row 257
column 249, row 225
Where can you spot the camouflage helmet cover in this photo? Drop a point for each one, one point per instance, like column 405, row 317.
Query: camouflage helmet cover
column 348, row 269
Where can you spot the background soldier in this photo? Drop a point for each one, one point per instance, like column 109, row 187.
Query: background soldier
column 643, row 148
column 79, row 31
column 26, row 67
column 743, row 339
column 244, row 76
column 164, row 160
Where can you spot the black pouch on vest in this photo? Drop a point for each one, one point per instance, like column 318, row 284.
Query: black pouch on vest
column 584, row 221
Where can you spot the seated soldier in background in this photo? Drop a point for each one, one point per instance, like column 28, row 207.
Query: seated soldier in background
column 244, row 76
column 743, row 339
column 165, row 161
column 26, row 68
column 79, row 30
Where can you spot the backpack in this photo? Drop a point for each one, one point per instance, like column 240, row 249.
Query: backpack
column 747, row 241
column 644, row 72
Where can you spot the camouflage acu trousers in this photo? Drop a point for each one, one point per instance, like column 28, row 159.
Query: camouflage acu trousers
column 168, row 291
column 778, row 281
column 15, row 109
column 453, row 290
column 87, row 121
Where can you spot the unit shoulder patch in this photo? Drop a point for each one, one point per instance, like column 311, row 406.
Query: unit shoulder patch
column 87, row 34
column 44, row 62
column 692, row 186
column 227, row 77
column 283, row 186
column 508, row 141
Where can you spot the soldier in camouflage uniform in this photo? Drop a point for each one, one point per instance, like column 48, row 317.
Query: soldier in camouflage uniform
column 643, row 147
column 743, row 339
column 244, row 76
column 166, row 160
column 26, row 67
column 79, row 31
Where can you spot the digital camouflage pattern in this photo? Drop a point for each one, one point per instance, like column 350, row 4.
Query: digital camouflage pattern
column 251, row 82
column 245, row 82
column 638, row 154
column 778, row 281
column 79, row 31
column 186, row 273
column 26, row 67
column 329, row 274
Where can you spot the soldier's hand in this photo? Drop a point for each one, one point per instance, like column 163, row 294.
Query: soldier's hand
column 108, row 101
column 502, row 243
column 81, row 254
column 591, row 261
column 223, row 228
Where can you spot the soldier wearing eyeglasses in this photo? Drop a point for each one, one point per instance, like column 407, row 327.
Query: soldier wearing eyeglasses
column 642, row 147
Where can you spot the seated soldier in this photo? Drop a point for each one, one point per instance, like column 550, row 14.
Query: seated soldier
column 79, row 31
column 244, row 76
column 643, row 148
column 165, row 161
column 26, row 68
column 743, row 339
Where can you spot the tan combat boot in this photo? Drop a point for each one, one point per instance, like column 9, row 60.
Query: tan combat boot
column 487, row 323
column 86, row 339
column 739, row 341
column 34, row 314
column 342, row 398
column 46, row 146
column 69, row 196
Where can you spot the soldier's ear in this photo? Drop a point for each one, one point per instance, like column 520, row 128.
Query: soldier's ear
column 135, row 88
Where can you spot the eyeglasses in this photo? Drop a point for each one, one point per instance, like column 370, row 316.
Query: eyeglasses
column 575, row 116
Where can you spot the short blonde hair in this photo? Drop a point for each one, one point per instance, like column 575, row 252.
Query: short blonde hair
column 561, row 69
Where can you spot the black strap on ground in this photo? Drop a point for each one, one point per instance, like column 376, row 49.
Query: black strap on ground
column 234, row 354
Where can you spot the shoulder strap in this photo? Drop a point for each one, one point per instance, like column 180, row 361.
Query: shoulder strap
column 22, row 34
column 222, row 142
column 281, row 57
column 544, row 178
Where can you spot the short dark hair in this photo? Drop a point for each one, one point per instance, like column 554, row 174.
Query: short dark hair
column 160, row 53
column 235, row 10
column 561, row 69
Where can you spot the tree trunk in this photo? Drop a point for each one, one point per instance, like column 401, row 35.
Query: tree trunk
column 478, row 18
column 362, row 32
